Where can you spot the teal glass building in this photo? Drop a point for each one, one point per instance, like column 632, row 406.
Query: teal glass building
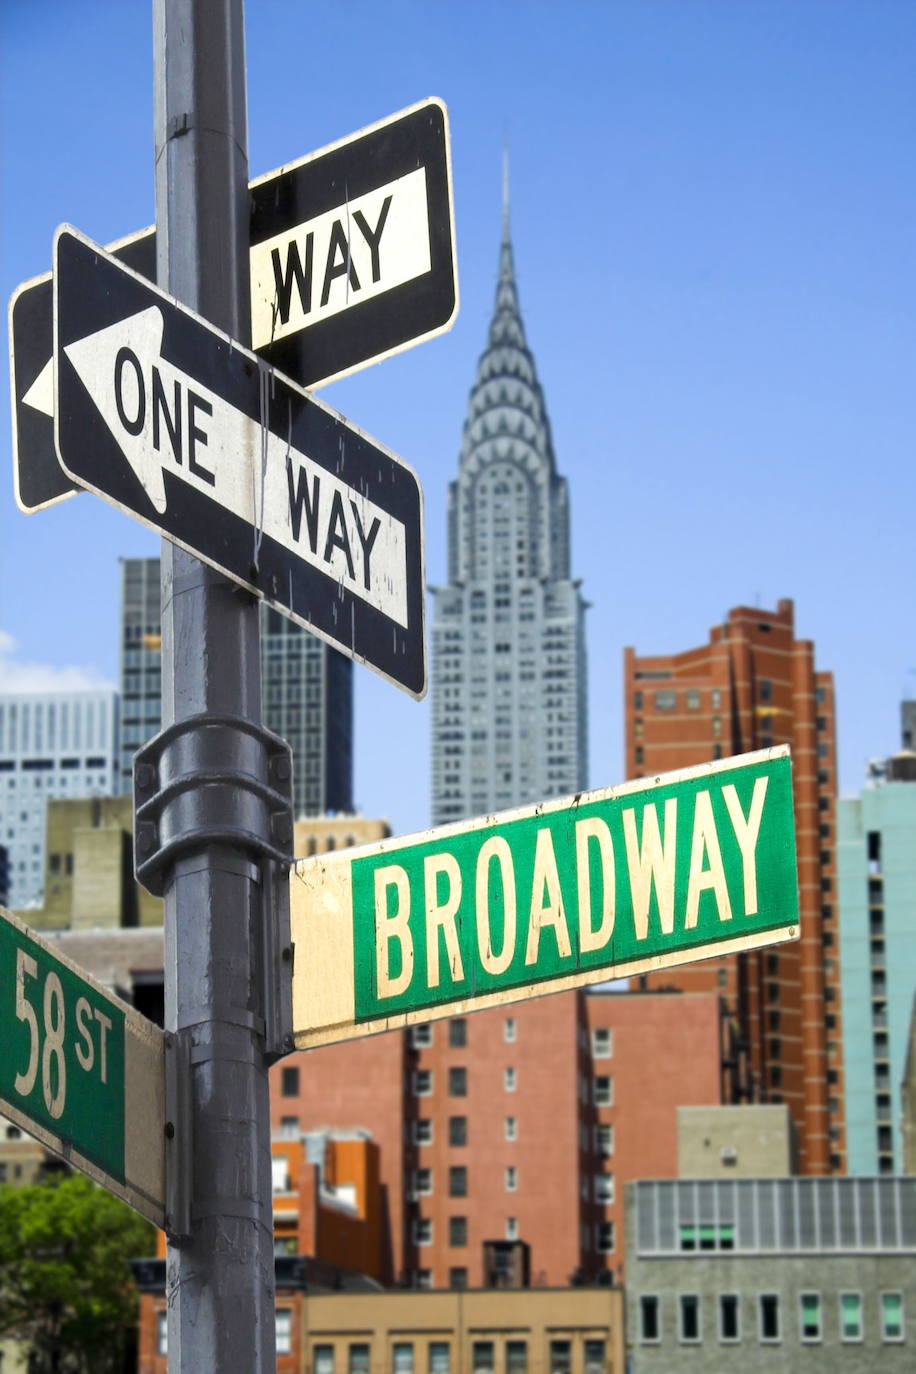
column 876, row 884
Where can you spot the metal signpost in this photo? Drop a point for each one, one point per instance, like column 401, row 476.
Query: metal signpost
column 171, row 420
column 602, row 885
column 352, row 256
column 81, row 1070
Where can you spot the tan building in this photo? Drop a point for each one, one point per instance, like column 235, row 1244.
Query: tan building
column 753, row 685
column 497, row 1331
column 753, row 1141
column 341, row 830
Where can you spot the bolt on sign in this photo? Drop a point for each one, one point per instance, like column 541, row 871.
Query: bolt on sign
column 606, row 884
column 81, row 1070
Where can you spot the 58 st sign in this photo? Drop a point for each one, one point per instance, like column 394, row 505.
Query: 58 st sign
column 80, row 1069
column 78, row 1037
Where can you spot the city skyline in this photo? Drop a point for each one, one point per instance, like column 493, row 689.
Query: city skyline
column 712, row 246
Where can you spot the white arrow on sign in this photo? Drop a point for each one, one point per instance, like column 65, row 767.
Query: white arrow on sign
column 163, row 420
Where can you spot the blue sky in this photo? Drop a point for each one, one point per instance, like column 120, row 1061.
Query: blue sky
column 714, row 216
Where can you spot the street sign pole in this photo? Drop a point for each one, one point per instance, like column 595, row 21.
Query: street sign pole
column 214, row 841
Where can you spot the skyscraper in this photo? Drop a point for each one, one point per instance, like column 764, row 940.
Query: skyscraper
column 52, row 744
column 508, row 635
column 876, row 887
column 306, row 685
column 754, row 685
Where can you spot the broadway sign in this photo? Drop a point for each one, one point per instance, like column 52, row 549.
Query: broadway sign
column 602, row 885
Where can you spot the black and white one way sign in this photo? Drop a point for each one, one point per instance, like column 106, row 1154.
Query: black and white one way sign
column 167, row 418
column 352, row 259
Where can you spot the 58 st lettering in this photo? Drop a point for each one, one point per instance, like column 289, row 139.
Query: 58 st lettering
column 42, row 1006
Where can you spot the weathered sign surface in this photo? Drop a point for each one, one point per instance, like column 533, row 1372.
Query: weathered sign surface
column 81, row 1070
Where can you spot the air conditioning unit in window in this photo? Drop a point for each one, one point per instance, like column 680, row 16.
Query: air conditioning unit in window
column 729, row 1154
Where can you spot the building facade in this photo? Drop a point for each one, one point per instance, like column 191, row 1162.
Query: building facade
column 754, row 685
column 760, row 1274
column 517, row 1126
column 508, row 667
column 52, row 744
column 306, row 688
column 876, row 885
column 510, row 1331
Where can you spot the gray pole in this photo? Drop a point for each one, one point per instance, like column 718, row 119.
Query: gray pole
column 220, row 1273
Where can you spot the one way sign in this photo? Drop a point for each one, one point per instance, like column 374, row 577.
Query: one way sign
column 167, row 418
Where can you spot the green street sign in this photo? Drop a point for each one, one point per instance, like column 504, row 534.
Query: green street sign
column 652, row 873
column 81, row 1070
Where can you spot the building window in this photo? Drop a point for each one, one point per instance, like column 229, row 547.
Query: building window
column 289, row 1127
column 511, row 1179
column 283, row 1318
column 440, row 1356
column 402, row 1357
column 595, row 1357
column 423, row 1278
column 358, row 1359
column 810, row 1316
column 323, row 1359
column 289, row 1083
column 604, row 1238
column 729, row 1317
column 666, row 701
column 422, row 1182
column 422, row 1035
column 604, row 1189
column 482, row 1357
column 604, row 1140
column 560, row 1357
column 423, row 1082
column 423, row 1131
column 458, row 1277
column 162, row 1333
column 457, row 1231
column 765, row 689
column 509, row 1030
column 457, row 1130
column 692, row 699
column 850, row 1316
column 603, row 1091
column 602, row 1042
column 458, row 1033
column 279, row 1168
column 511, row 1128
column 892, row 1316
column 768, row 1308
column 516, row 1357
column 509, row 1080
column 511, row 1228
column 457, row 1082
column 648, row 1319
column 688, row 1318
column 422, row 1231
column 458, row 1181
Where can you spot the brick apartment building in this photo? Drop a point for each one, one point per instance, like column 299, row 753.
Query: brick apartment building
column 518, row 1125
column 754, row 685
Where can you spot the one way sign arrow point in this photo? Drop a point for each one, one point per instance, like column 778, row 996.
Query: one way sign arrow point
column 121, row 368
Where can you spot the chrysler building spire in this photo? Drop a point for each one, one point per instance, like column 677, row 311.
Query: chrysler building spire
column 508, row 650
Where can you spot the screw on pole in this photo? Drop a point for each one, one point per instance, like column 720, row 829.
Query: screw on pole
column 212, row 791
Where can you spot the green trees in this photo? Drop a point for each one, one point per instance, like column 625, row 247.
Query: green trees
column 65, row 1284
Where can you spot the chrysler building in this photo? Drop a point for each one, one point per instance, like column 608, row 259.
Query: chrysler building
column 508, row 674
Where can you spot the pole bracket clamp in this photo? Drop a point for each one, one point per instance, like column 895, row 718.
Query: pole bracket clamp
column 211, row 779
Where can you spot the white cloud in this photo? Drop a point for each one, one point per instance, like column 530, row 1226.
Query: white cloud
column 19, row 676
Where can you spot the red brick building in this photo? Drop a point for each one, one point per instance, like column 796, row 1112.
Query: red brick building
column 754, row 685
column 518, row 1124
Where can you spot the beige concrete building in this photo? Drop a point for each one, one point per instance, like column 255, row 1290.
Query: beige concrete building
column 908, row 1099
column 474, row 1331
column 342, row 830
column 735, row 1142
